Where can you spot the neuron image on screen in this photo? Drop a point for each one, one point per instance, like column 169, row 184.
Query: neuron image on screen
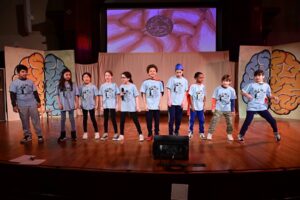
column 161, row 30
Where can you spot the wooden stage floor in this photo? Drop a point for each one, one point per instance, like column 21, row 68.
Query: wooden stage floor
column 259, row 152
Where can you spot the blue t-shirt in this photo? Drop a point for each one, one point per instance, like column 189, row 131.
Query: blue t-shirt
column 153, row 90
column 177, row 87
column 197, row 93
column 24, row 90
column 87, row 95
column 259, row 92
column 128, row 103
column 223, row 97
column 67, row 96
column 109, row 92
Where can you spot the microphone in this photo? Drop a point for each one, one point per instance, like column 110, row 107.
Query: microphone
column 122, row 96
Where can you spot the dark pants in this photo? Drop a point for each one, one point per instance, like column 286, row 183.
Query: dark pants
column 93, row 118
column 150, row 115
column 265, row 114
column 112, row 113
column 175, row 114
column 200, row 116
column 135, row 119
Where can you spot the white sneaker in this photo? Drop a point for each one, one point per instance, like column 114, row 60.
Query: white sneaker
column 229, row 137
column 97, row 136
column 190, row 134
column 202, row 136
column 120, row 138
column 116, row 136
column 141, row 138
column 85, row 136
column 105, row 136
column 209, row 136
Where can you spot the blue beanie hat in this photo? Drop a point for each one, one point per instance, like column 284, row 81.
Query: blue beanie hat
column 179, row 67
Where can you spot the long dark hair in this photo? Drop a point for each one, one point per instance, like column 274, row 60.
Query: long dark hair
column 62, row 80
column 128, row 75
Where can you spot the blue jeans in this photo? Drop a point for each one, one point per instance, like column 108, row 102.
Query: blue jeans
column 265, row 114
column 63, row 120
column 200, row 116
column 175, row 114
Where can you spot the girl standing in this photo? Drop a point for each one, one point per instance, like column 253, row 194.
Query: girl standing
column 109, row 103
column 130, row 104
column 67, row 99
column 89, row 103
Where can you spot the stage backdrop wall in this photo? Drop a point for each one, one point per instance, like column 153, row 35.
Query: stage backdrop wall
column 213, row 65
column 44, row 69
column 282, row 71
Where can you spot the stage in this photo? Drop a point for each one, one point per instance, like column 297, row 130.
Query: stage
column 260, row 167
column 259, row 151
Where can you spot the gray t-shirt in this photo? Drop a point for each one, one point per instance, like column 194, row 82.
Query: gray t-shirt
column 67, row 96
column 109, row 92
column 128, row 103
column 152, row 89
column 197, row 93
column 24, row 90
column 87, row 95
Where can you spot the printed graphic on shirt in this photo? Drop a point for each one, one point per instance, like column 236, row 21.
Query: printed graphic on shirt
column 109, row 93
column 24, row 89
column 86, row 94
column 224, row 98
column 127, row 95
column 259, row 94
column 153, row 92
column 178, row 88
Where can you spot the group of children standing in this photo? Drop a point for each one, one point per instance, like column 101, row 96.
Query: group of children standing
column 25, row 100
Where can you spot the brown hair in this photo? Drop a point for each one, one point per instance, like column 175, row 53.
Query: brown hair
column 226, row 77
column 108, row 71
column 152, row 66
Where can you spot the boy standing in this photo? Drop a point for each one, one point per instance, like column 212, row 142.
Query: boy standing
column 152, row 89
column 25, row 100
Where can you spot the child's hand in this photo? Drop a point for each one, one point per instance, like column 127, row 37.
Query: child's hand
column 117, row 108
column 146, row 108
column 16, row 109
column 169, row 103
column 38, row 105
column 233, row 113
column 249, row 97
column 60, row 106
column 101, row 109
column 138, row 109
column 213, row 110
column 192, row 108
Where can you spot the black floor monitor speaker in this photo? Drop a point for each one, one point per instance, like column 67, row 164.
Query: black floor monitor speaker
column 171, row 147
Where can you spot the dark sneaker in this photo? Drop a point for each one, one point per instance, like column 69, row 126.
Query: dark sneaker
column 26, row 139
column 73, row 135
column 40, row 139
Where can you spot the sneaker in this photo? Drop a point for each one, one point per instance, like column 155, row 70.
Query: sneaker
column 116, row 137
column 190, row 134
column 97, row 136
column 73, row 135
column 209, row 136
column 120, row 138
column 141, row 138
column 61, row 139
column 40, row 139
column 229, row 137
column 202, row 136
column 85, row 136
column 105, row 136
column 149, row 138
column 26, row 139
column 277, row 136
column 240, row 138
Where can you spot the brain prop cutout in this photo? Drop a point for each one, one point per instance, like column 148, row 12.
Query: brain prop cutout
column 285, row 81
column 283, row 75
column 53, row 68
column 45, row 73
column 35, row 64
